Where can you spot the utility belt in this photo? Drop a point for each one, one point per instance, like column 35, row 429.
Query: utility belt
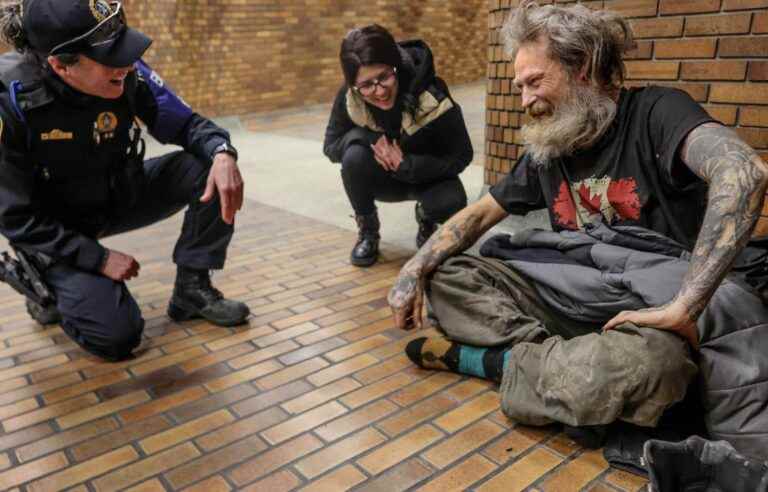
column 24, row 274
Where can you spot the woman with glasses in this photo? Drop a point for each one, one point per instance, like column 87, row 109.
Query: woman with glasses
column 398, row 135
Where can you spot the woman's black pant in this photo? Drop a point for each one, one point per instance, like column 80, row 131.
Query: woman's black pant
column 365, row 181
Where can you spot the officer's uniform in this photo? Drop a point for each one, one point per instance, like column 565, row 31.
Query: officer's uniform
column 71, row 173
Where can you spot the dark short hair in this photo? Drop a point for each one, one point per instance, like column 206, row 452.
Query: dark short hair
column 368, row 45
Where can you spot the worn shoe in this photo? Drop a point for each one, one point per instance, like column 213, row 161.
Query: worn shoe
column 47, row 315
column 366, row 250
column 426, row 227
column 195, row 297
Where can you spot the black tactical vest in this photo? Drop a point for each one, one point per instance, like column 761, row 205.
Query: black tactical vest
column 77, row 146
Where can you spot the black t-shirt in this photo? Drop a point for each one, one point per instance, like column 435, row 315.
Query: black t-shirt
column 633, row 175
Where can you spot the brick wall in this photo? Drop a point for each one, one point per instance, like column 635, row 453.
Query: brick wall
column 240, row 56
column 716, row 50
column 235, row 56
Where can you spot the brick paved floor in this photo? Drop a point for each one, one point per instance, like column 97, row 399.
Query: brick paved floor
column 314, row 394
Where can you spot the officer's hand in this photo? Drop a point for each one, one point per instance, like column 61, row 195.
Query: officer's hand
column 225, row 178
column 120, row 266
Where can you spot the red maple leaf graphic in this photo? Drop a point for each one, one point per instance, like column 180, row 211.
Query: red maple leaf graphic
column 623, row 197
column 589, row 201
column 563, row 208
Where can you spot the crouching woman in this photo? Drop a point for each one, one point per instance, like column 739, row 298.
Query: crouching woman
column 398, row 135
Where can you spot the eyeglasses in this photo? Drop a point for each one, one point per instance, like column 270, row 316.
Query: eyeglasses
column 104, row 32
column 385, row 79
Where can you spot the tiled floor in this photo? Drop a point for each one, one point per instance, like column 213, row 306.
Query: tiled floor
column 314, row 393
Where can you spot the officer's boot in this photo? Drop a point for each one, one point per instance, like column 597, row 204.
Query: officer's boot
column 45, row 315
column 195, row 297
column 427, row 227
column 366, row 250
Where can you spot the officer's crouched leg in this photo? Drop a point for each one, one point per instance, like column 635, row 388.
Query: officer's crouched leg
column 98, row 313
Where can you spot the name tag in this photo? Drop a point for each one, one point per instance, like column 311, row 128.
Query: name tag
column 57, row 134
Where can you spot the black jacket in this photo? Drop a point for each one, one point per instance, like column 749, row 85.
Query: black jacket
column 63, row 155
column 435, row 143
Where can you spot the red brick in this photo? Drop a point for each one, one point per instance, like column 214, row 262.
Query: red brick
column 758, row 71
column 677, row 7
column 718, row 25
column 724, row 114
column 644, row 51
column 697, row 91
column 760, row 24
column 753, row 116
column 632, row 8
column 685, row 48
column 743, row 4
column 652, row 70
column 744, row 46
column 739, row 93
column 657, row 28
column 714, row 70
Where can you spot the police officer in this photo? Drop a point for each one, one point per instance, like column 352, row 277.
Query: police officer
column 72, row 170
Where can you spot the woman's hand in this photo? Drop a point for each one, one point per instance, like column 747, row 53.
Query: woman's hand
column 388, row 155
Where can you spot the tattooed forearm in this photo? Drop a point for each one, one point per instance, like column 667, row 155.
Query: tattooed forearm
column 456, row 235
column 737, row 180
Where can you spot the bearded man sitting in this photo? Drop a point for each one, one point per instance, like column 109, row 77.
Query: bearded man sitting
column 644, row 166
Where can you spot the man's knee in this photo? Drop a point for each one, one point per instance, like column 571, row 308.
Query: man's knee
column 632, row 373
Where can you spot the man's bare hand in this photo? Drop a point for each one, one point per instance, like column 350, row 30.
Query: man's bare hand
column 672, row 317
column 388, row 155
column 224, row 178
column 120, row 266
column 406, row 299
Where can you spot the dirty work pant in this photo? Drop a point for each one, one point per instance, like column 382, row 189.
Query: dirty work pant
column 365, row 181
column 558, row 370
column 99, row 313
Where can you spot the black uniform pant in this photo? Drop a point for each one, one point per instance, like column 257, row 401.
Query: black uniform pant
column 99, row 313
column 365, row 181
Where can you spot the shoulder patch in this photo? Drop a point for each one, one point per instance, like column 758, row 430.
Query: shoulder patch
column 172, row 112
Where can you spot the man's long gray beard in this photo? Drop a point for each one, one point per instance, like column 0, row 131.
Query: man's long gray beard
column 578, row 123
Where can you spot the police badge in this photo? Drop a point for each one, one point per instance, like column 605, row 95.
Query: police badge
column 104, row 127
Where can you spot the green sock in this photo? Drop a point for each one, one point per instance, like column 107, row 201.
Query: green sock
column 440, row 353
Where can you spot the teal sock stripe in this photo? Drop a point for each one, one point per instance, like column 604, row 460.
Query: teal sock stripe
column 471, row 361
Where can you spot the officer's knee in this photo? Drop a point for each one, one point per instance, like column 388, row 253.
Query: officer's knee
column 109, row 333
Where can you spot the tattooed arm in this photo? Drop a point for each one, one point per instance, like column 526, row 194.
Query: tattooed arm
column 737, row 180
column 456, row 235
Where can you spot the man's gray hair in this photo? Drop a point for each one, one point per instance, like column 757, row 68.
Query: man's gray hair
column 578, row 38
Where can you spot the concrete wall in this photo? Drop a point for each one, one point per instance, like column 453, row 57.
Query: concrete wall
column 716, row 50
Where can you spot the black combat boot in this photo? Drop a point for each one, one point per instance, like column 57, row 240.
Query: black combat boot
column 195, row 297
column 366, row 250
column 426, row 227
column 45, row 315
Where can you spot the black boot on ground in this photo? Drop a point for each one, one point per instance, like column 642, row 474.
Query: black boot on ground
column 366, row 250
column 45, row 315
column 426, row 226
column 195, row 297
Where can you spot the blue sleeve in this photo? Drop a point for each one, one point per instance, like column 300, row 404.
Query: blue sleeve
column 171, row 120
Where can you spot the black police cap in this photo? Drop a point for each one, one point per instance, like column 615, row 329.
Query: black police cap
column 94, row 28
